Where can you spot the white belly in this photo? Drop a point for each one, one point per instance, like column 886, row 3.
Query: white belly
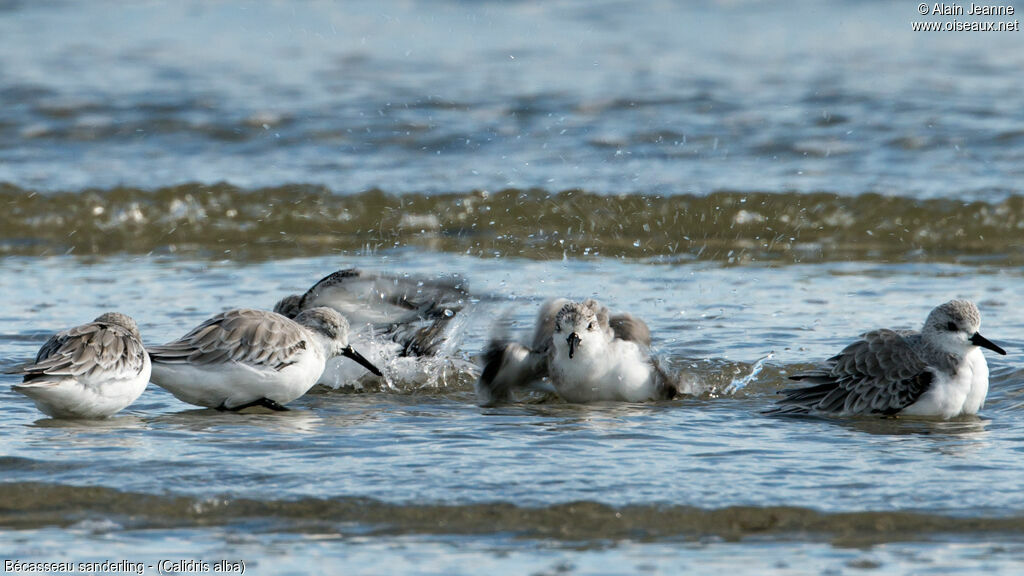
column 87, row 397
column 623, row 374
column 962, row 393
column 234, row 384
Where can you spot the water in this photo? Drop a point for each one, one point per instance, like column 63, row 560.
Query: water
column 455, row 96
column 759, row 183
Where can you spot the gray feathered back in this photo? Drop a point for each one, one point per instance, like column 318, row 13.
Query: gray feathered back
column 111, row 343
column 255, row 337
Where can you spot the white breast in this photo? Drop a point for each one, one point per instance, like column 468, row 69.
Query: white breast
column 953, row 395
column 976, row 370
column 623, row 373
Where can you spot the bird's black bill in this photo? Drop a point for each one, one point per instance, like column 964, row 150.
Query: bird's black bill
column 979, row 340
column 350, row 352
column 574, row 341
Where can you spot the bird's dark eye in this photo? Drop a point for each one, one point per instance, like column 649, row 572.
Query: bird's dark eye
column 951, row 326
column 591, row 326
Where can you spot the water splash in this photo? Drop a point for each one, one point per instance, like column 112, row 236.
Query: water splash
column 740, row 383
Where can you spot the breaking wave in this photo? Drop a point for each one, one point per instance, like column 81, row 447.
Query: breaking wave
column 302, row 220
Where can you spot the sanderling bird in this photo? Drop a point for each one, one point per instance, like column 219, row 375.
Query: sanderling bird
column 243, row 358
column 90, row 371
column 393, row 317
column 939, row 371
column 587, row 354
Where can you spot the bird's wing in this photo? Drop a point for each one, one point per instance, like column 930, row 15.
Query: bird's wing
column 419, row 339
column 413, row 312
column 545, row 327
column 254, row 337
column 508, row 366
column 628, row 327
column 85, row 351
column 882, row 373
column 368, row 298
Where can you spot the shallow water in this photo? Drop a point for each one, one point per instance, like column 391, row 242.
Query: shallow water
column 455, row 96
column 759, row 183
column 424, row 470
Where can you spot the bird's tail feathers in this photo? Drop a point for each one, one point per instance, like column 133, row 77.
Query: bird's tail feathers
column 808, row 399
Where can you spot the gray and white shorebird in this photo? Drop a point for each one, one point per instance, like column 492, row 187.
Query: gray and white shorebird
column 938, row 372
column 587, row 354
column 392, row 316
column 90, row 371
column 244, row 357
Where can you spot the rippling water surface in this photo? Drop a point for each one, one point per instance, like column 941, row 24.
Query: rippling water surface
column 760, row 183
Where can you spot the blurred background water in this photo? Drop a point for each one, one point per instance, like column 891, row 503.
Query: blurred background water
column 759, row 181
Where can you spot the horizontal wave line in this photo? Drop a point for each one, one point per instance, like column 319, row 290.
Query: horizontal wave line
column 30, row 505
column 732, row 227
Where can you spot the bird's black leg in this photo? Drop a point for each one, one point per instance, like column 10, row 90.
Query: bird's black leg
column 264, row 402
column 271, row 405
